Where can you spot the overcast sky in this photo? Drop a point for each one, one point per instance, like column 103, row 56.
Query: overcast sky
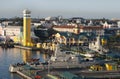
column 65, row 8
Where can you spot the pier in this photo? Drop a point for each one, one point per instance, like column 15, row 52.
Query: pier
column 27, row 48
column 23, row 75
column 30, row 73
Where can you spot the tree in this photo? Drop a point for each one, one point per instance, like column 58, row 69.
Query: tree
column 44, row 34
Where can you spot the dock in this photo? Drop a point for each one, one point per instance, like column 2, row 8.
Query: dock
column 54, row 73
column 100, row 74
column 27, row 48
column 23, row 75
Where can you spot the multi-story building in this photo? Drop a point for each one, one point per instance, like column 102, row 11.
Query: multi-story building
column 13, row 32
column 68, row 38
column 98, row 30
column 64, row 28
column 110, row 24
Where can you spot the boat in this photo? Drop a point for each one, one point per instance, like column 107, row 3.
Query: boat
column 96, row 46
column 15, row 67
column 89, row 55
column 65, row 59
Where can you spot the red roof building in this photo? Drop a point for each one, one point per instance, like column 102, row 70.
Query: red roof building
column 79, row 29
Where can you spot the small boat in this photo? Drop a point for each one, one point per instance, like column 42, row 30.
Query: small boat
column 14, row 68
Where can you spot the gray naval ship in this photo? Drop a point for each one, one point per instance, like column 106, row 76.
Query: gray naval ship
column 68, row 59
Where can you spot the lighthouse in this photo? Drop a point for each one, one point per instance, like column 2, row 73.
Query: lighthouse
column 26, row 28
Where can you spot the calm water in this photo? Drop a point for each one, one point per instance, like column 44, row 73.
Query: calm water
column 14, row 55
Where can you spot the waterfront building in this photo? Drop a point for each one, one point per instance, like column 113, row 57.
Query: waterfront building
column 1, row 30
column 68, row 38
column 13, row 32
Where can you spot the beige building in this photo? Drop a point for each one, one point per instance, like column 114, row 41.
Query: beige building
column 98, row 30
column 64, row 28
column 80, row 29
column 68, row 38
column 13, row 32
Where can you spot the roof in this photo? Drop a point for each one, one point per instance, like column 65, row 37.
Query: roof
column 27, row 67
column 65, row 26
column 78, row 36
column 67, row 34
column 90, row 35
column 90, row 27
column 68, row 75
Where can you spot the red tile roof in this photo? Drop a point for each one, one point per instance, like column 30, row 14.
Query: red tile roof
column 81, row 27
column 90, row 27
column 64, row 26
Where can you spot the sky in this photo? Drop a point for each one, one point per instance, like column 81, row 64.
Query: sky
column 65, row 8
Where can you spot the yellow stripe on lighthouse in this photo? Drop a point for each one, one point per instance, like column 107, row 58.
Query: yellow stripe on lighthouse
column 26, row 28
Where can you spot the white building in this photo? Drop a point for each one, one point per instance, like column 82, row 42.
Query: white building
column 110, row 25
column 10, row 31
column 6, row 23
column 118, row 23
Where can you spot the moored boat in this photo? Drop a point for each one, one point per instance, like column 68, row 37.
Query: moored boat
column 14, row 68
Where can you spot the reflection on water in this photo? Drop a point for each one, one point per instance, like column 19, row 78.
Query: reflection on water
column 28, row 55
column 15, row 55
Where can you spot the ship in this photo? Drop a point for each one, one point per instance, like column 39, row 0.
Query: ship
column 68, row 60
column 62, row 59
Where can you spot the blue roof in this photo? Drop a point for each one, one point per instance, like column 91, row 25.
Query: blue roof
column 67, row 34
column 90, row 35
column 78, row 36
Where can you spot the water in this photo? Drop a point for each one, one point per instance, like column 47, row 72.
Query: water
column 15, row 55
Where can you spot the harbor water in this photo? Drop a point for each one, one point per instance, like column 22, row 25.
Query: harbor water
column 14, row 55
